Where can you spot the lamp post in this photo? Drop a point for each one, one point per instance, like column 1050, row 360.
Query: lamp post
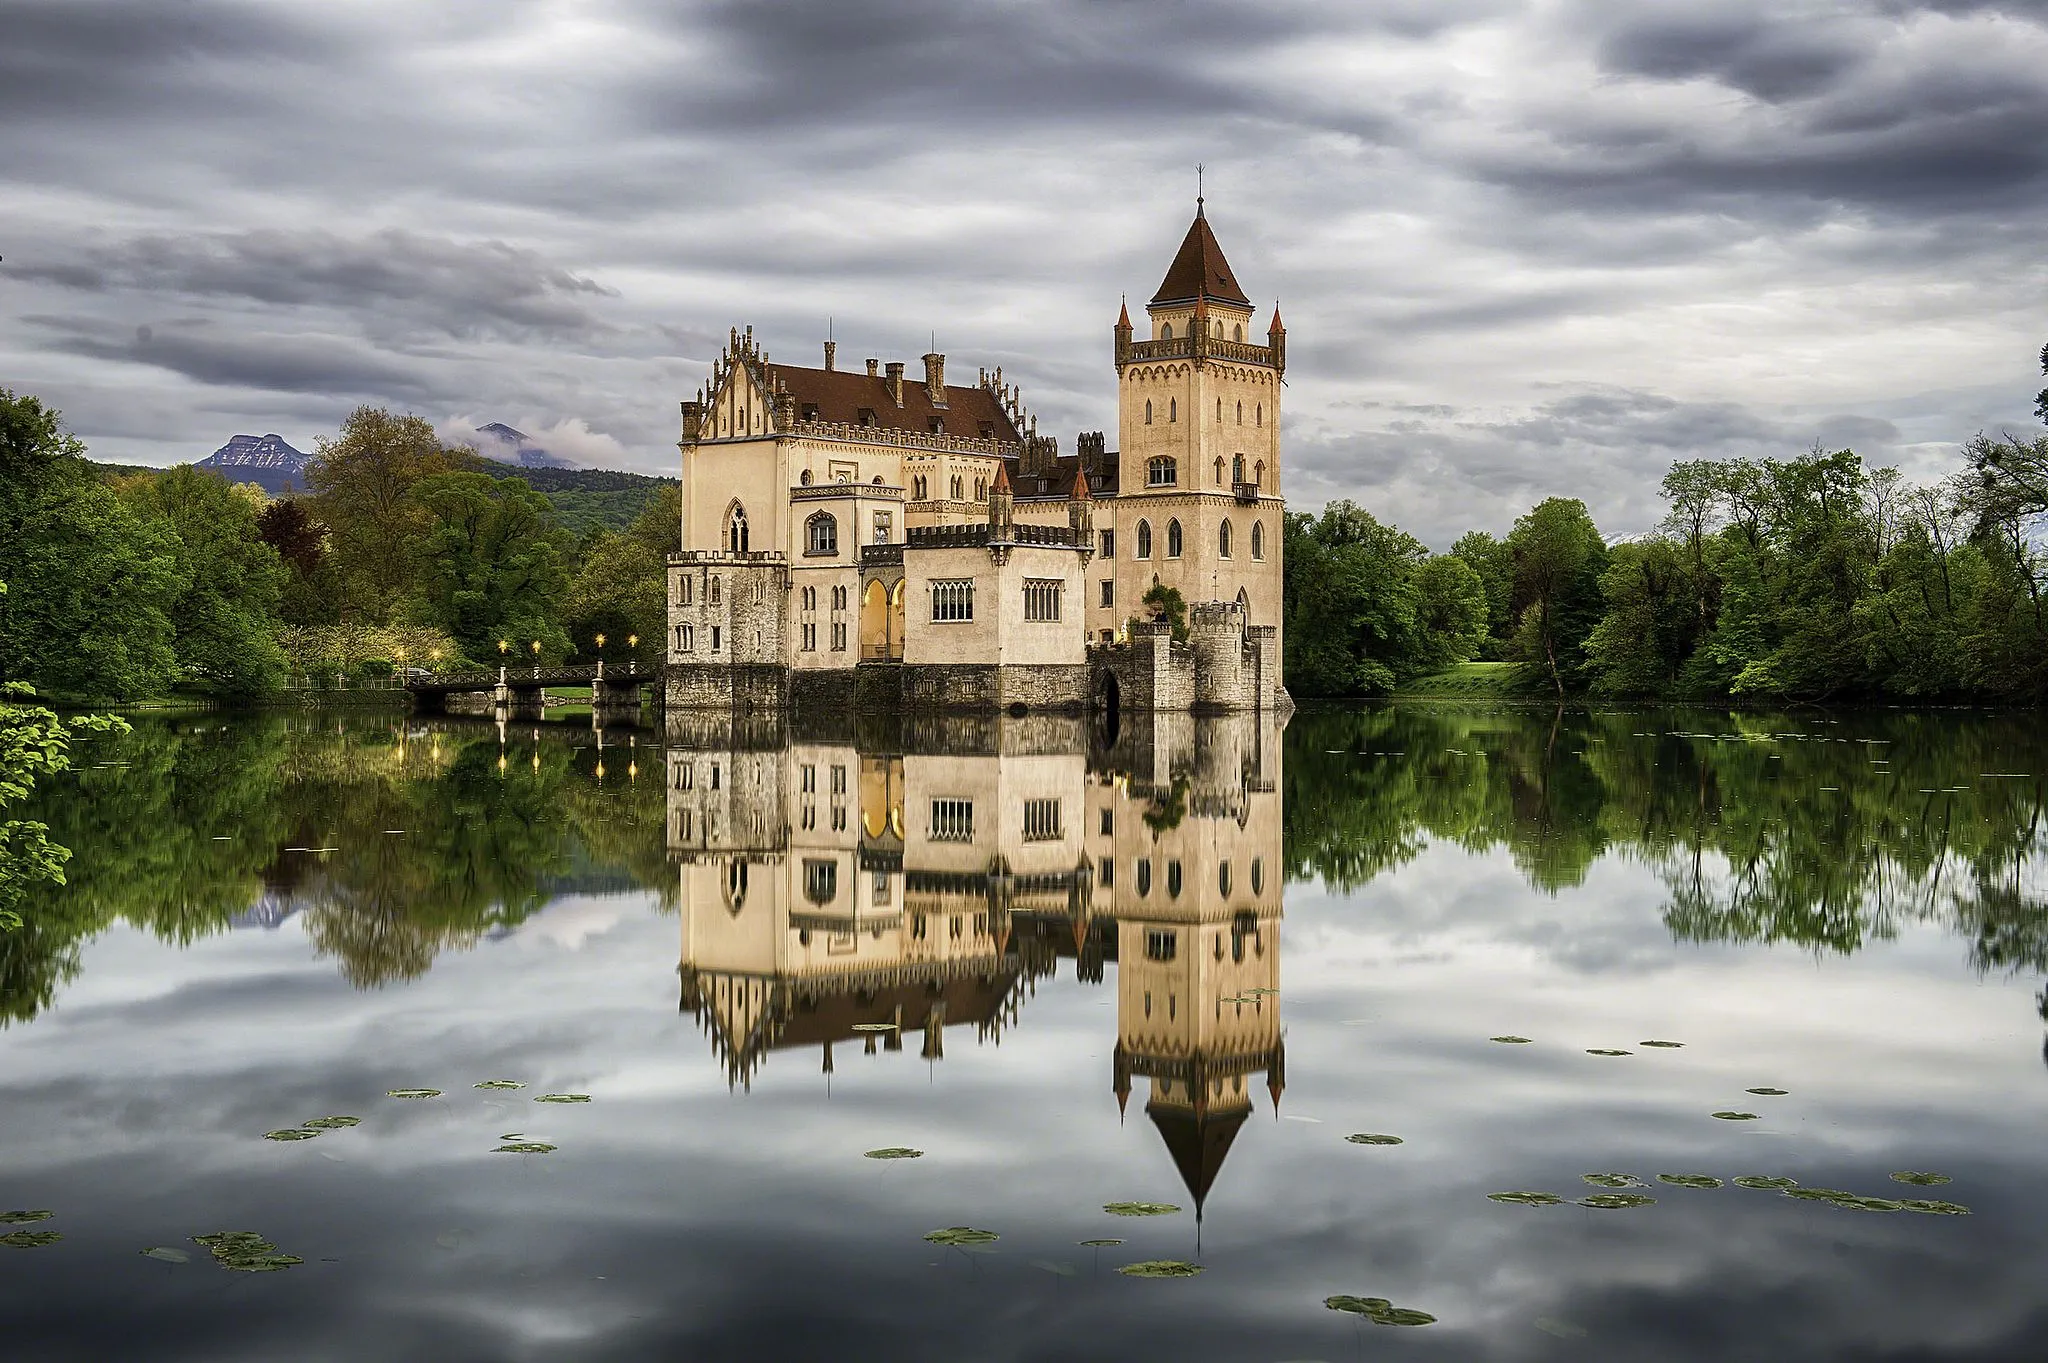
column 536, row 661
column 503, row 648
column 600, row 661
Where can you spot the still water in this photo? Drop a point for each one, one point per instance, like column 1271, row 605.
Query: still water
column 1180, row 968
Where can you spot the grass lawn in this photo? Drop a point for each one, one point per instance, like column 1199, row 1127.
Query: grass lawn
column 1469, row 680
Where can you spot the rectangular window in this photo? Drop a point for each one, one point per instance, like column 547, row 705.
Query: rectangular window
column 839, row 818
column 1160, row 945
column 810, row 636
column 839, row 636
column 1041, row 820
column 821, row 881
column 953, row 598
column 684, row 824
column 882, row 890
column 885, row 525
column 686, row 590
column 952, row 821
column 1042, row 598
column 1108, row 825
column 810, row 775
column 810, row 819
column 838, row 780
column 1108, row 592
column 686, row 776
column 686, row 638
column 1109, row 544
column 714, row 639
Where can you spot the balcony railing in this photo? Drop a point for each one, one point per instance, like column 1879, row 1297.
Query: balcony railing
column 1248, row 493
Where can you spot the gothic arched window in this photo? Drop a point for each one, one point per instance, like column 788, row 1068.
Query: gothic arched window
column 1173, row 544
column 736, row 529
column 1166, row 332
column 1144, row 539
column 1148, row 411
column 1223, row 540
column 1258, row 539
column 1160, row 471
column 1240, row 414
column 1219, row 470
column 1173, row 409
column 1237, row 464
column 821, row 534
column 1259, row 412
column 1237, row 334
column 956, row 487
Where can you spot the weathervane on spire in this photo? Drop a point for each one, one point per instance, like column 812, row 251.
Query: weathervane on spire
column 1198, row 189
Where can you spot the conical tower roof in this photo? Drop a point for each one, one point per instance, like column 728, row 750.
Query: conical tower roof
column 1199, row 270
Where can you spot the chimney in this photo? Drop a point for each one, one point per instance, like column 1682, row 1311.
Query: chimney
column 896, row 382
column 831, row 350
column 935, row 378
column 693, row 421
column 873, row 372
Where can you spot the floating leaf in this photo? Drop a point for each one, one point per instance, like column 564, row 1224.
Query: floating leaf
column 525, row 1148
column 31, row 1239
column 1766, row 1092
column 246, row 1251
column 1099, row 1244
column 1920, row 1180
column 1734, row 1116
column 1373, row 1138
column 563, row 1098
column 1835, row 1197
column 1527, row 1199
column 166, row 1254
column 962, row 1235
column 290, row 1133
column 1931, row 1208
column 1616, row 1201
column 876, row 1027
column 413, row 1093
column 1664, row 1045
column 24, row 1218
column 893, row 1152
column 499, row 1084
column 1596, row 1051
column 1771, row 1182
column 1140, row 1208
column 1689, row 1180
column 1613, row 1180
column 331, row 1123
column 1510, row 1040
column 1379, row 1310
column 1161, row 1268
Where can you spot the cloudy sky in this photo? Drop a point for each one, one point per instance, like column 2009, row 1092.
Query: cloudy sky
column 1524, row 247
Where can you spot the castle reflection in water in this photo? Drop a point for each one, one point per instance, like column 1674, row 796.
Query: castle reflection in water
column 878, row 885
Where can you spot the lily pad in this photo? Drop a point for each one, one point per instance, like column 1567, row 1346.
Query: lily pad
column 1099, row 1244
column 876, row 1027
column 1689, row 1180
column 893, row 1152
column 166, row 1254
column 525, row 1148
column 563, row 1098
column 24, row 1218
column 1510, row 1040
column 962, row 1235
column 1598, row 1051
column 1616, row 1201
column 1161, row 1268
column 1527, row 1199
column 413, row 1093
column 1766, row 1092
column 1920, row 1180
column 1140, row 1208
column 1767, row 1182
column 246, row 1251
column 331, row 1123
column 1379, row 1310
column 31, row 1239
column 1373, row 1138
column 1663, row 1045
column 290, row 1133
column 499, row 1084
column 1613, row 1180
column 1835, row 1197
column 1932, row 1208
column 1734, row 1116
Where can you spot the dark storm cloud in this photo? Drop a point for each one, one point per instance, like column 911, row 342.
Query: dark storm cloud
column 208, row 355
column 1773, row 61
column 461, row 289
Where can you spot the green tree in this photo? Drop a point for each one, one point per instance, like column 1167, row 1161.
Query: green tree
column 1558, row 556
column 362, row 481
column 311, row 594
column 1451, row 613
column 1650, row 627
column 226, row 617
column 488, row 563
column 620, row 591
column 1489, row 558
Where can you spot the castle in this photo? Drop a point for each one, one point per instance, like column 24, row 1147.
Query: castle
column 853, row 889
column 862, row 539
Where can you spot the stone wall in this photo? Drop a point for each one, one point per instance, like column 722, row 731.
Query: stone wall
column 980, row 686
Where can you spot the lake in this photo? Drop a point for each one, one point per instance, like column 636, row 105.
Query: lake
column 1051, row 969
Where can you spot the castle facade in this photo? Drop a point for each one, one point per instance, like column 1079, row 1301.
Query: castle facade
column 860, row 537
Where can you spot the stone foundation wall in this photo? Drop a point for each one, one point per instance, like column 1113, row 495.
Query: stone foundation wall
column 979, row 686
column 710, row 686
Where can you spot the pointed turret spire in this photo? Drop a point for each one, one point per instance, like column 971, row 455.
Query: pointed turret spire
column 1199, row 270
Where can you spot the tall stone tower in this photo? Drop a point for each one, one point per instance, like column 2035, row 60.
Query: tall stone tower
column 1199, row 477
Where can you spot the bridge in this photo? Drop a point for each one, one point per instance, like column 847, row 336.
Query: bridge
column 612, row 685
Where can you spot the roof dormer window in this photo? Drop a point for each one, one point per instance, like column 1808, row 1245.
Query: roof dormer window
column 867, row 416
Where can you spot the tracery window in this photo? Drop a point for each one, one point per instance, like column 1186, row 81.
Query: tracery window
column 1173, row 540
column 1161, row 471
column 1042, row 598
column 821, row 534
column 1144, row 539
column 953, row 598
column 1223, row 540
column 1258, row 539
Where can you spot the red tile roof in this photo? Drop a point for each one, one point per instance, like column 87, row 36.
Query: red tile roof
column 1200, row 271
column 839, row 395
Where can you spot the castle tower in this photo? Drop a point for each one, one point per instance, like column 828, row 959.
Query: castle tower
column 1199, row 493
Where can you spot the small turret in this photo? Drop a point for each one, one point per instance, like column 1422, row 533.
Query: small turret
column 1081, row 508
column 1123, row 334
column 1000, row 505
column 1276, row 337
